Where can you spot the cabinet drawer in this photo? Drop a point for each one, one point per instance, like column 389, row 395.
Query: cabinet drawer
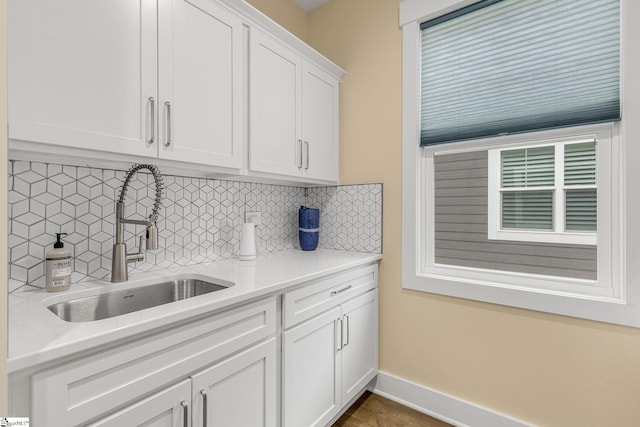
column 87, row 388
column 310, row 300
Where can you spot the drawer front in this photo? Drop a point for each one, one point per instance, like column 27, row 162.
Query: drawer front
column 310, row 300
column 81, row 391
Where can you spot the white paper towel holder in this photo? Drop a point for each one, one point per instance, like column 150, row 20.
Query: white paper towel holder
column 248, row 242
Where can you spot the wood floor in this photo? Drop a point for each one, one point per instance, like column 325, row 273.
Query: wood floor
column 371, row 410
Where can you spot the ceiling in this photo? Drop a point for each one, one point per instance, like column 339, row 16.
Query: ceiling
column 309, row 5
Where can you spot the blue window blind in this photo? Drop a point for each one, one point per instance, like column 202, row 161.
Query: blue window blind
column 508, row 66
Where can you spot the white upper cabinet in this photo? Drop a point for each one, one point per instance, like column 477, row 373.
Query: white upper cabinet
column 208, row 86
column 157, row 79
column 81, row 73
column 293, row 114
column 319, row 123
column 201, row 83
column 275, row 96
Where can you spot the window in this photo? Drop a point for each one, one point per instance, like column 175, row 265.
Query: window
column 497, row 208
column 544, row 193
column 513, row 165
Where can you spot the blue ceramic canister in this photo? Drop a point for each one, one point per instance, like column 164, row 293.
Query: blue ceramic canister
column 308, row 228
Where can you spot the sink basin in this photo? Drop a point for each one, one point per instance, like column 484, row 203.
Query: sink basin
column 116, row 303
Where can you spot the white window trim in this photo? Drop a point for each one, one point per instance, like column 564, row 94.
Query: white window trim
column 559, row 235
column 610, row 298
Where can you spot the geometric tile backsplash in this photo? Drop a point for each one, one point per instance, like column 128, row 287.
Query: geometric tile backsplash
column 350, row 216
column 199, row 221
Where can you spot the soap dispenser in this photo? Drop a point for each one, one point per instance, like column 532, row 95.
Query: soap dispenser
column 58, row 266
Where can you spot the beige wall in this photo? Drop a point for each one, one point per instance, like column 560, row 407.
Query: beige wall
column 3, row 212
column 544, row 369
column 285, row 13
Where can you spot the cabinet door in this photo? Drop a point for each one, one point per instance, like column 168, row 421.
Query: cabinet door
column 311, row 371
column 360, row 343
column 274, row 107
column 320, row 123
column 201, row 83
column 81, row 74
column 240, row 391
column 168, row 408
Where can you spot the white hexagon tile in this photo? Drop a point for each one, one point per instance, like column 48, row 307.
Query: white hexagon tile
column 200, row 219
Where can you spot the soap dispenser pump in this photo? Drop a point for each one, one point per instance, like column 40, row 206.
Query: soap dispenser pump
column 58, row 266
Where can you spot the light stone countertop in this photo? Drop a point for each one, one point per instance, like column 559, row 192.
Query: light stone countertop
column 37, row 336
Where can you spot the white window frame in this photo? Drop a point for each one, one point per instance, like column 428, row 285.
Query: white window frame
column 604, row 288
column 609, row 298
column 558, row 235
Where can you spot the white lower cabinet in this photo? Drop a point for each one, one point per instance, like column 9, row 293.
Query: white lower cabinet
column 229, row 368
column 168, row 408
column 137, row 379
column 311, row 368
column 240, row 391
column 360, row 344
column 329, row 359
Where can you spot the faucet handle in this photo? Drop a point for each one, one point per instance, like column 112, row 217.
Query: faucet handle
column 140, row 243
column 139, row 256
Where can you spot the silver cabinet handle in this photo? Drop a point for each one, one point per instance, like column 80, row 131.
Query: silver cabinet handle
column 185, row 412
column 204, row 408
column 339, row 341
column 346, row 343
column 152, row 119
column 300, row 156
column 306, row 143
column 339, row 291
column 168, row 140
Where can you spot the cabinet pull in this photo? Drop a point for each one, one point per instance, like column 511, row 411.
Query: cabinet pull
column 152, row 119
column 185, row 413
column 306, row 143
column 339, row 291
column 338, row 329
column 300, row 156
column 346, row 343
column 204, row 408
column 168, row 141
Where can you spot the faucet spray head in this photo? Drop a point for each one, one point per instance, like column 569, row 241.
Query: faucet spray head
column 152, row 237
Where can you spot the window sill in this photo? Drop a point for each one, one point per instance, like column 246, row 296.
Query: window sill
column 495, row 280
column 543, row 237
column 594, row 307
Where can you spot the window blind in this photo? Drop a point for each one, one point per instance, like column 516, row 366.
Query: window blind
column 528, row 167
column 508, row 66
column 580, row 202
column 581, row 210
column 580, row 164
column 532, row 210
column 522, row 169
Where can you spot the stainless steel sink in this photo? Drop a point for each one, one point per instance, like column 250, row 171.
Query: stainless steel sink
column 116, row 303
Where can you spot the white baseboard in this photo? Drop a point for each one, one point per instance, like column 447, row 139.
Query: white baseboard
column 439, row 405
